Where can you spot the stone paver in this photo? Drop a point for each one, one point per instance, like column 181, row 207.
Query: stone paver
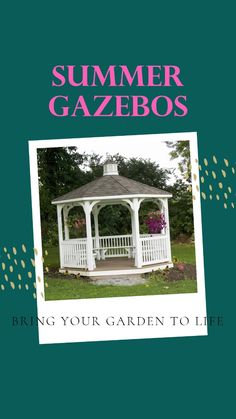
column 124, row 280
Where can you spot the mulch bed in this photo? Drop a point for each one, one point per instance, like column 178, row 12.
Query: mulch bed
column 180, row 271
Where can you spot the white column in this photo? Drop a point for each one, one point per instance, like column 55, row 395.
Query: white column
column 137, row 242
column 96, row 227
column 166, row 214
column 60, row 233
column 66, row 229
column 89, row 247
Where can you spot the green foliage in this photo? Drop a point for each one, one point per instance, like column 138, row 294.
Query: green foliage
column 64, row 169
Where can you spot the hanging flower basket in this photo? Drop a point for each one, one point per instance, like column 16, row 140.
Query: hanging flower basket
column 155, row 222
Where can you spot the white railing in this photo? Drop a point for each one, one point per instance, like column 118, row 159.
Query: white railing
column 73, row 253
column 115, row 246
column 154, row 249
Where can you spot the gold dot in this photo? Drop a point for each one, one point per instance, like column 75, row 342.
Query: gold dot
column 200, row 167
column 33, row 262
column 223, row 172
column 5, row 249
column 194, row 197
column 35, row 251
column 226, row 195
column 19, row 277
column 203, row 195
column 46, row 252
column 226, row 162
column 39, row 279
column 210, row 187
column 206, row 171
column 34, row 295
column 46, row 284
column 23, row 248
column 220, row 185
column 229, row 189
column 196, row 160
column 214, row 159
column 2, row 287
column 26, row 286
column 202, row 179
column 34, row 284
column 3, row 266
column 8, row 256
column 210, row 197
column 194, row 176
column 42, row 258
column 217, row 197
column 11, row 268
column 205, row 162
column 42, row 294
column 213, row 174
column 29, row 274
column 14, row 250
column 233, row 170
column 197, row 187
column 225, row 205
column 22, row 263
column 6, row 277
column 12, row 285
column 190, row 188
column 15, row 262
column 47, row 270
column 232, row 204
column 19, row 286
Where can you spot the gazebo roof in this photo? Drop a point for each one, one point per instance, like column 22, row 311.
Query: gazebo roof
column 111, row 186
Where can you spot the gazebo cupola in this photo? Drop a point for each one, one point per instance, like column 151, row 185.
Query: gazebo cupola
column 145, row 252
column 110, row 168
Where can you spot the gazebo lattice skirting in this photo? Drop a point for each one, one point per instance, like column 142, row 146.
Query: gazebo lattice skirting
column 88, row 256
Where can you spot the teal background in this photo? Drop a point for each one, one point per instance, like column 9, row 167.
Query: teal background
column 142, row 378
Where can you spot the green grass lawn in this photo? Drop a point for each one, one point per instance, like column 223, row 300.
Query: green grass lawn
column 70, row 288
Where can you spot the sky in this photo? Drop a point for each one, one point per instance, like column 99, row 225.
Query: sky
column 147, row 147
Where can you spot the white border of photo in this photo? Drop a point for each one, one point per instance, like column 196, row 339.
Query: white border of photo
column 164, row 315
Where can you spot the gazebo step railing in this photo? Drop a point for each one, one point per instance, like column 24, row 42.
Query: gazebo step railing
column 154, row 249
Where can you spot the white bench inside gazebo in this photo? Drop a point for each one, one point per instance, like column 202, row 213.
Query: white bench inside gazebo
column 97, row 255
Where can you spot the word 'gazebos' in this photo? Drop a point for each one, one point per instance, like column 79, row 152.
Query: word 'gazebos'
column 102, row 255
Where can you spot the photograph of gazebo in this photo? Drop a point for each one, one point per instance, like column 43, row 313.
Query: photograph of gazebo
column 96, row 255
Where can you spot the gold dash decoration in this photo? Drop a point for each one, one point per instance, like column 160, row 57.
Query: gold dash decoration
column 226, row 162
column 214, row 159
column 205, row 162
column 213, row 174
column 203, row 195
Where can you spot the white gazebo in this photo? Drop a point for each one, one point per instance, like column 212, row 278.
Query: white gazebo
column 122, row 254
